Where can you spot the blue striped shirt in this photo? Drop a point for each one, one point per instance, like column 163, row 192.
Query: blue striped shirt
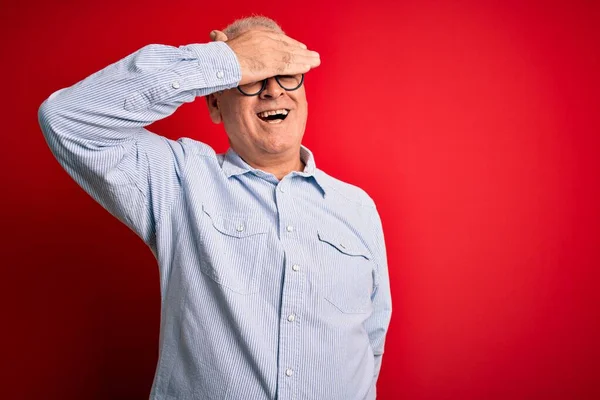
column 270, row 289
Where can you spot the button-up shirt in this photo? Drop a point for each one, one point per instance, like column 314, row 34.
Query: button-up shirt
column 271, row 289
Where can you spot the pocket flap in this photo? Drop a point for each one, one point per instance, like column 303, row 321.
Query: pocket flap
column 235, row 225
column 346, row 244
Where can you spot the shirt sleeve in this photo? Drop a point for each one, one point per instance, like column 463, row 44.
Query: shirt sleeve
column 95, row 128
column 377, row 324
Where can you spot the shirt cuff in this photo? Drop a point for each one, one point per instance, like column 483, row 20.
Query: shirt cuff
column 218, row 62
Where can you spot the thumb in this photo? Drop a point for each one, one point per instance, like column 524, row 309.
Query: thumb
column 218, row 36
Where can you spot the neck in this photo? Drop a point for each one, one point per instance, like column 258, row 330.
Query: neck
column 277, row 164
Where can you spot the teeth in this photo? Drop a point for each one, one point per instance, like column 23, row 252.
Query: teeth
column 265, row 114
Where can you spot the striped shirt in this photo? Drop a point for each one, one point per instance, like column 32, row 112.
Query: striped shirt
column 270, row 289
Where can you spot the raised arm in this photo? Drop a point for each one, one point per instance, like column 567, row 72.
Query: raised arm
column 95, row 128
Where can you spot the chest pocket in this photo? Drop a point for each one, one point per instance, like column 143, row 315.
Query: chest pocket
column 232, row 249
column 348, row 272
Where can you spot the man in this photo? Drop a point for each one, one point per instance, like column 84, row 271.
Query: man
column 273, row 274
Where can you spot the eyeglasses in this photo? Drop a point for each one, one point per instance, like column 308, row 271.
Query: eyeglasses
column 287, row 82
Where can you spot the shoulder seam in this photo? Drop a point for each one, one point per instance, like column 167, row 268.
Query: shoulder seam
column 357, row 200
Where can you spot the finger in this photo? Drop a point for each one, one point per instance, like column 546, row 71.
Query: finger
column 295, row 69
column 298, row 67
column 292, row 63
column 289, row 41
column 299, row 56
column 278, row 36
column 303, row 67
column 311, row 54
column 299, row 52
column 313, row 62
column 308, row 55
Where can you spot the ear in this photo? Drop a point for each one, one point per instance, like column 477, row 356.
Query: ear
column 212, row 101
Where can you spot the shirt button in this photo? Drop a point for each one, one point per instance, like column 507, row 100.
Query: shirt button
column 239, row 228
column 175, row 85
column 291, row 317
column 289, row 372
column 289, row 228
column 281, row 189
column 220, row 74
column 295, row 268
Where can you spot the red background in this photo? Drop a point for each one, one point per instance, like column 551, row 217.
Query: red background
column 474, row 127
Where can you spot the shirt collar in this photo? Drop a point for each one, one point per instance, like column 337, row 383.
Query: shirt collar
column 234, row 165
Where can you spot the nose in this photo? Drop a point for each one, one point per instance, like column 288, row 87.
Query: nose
column 272, row 90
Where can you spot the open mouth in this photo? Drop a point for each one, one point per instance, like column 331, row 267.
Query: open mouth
column 273, row 116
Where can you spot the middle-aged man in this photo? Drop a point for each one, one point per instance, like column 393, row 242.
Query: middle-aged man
column 273, row 274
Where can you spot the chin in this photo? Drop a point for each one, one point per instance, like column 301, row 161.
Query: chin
column 277, row 145
column 277, row 148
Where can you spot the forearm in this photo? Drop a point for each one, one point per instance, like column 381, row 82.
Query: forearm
column 377, row 327
column 138, row 90
column 377, row 324
column 95, row 128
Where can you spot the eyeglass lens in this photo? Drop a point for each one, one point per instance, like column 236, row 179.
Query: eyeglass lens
column 287, row 82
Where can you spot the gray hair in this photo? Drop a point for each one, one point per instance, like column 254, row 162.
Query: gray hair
column 255, row 21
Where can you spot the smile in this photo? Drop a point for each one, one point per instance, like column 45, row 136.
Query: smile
column 273, row 116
